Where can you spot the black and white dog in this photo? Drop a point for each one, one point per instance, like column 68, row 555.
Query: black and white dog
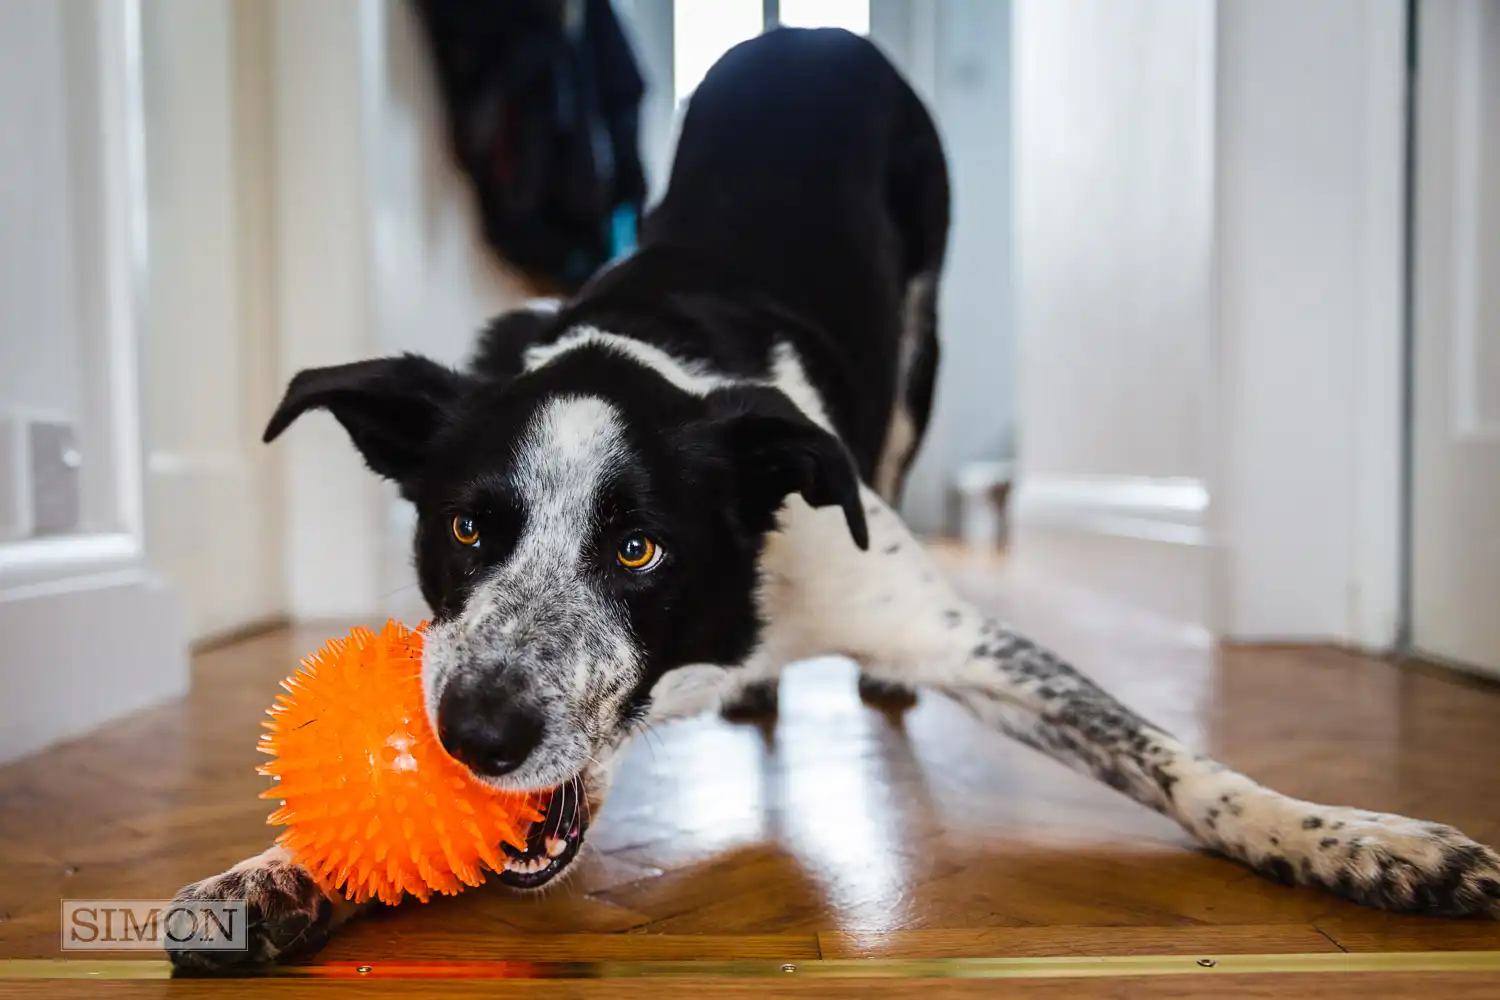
column 645, row 502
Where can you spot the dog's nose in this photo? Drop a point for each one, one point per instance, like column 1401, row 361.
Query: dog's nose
column 485, row 729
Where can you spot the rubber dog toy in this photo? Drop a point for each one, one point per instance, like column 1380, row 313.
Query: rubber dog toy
column 372, row 804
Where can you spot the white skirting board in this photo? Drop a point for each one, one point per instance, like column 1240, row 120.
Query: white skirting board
column 1171, row 510
column 81, row 652
column 1142, row 540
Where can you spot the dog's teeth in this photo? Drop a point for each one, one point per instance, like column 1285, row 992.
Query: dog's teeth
column 555, row 846
column 527, row 866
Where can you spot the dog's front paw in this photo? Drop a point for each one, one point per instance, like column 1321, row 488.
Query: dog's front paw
column 289, row 914
column 1395, row 863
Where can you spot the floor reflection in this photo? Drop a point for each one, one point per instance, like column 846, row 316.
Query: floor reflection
column 835, row 804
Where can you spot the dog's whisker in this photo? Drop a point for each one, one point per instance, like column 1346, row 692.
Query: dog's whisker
column 403, row 589
column 645, row 731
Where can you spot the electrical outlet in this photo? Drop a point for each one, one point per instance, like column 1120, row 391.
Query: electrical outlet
column 56, row 478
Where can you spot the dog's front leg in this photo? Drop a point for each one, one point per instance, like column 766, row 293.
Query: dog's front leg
column 290, row 914
column 889, row 609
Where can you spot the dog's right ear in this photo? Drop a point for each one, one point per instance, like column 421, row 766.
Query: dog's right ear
column 392, row 408
column 779, row 451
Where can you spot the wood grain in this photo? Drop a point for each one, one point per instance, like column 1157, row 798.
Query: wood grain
column 839, row 832
column 1386, row 933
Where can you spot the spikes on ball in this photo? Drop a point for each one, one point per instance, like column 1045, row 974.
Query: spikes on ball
column 372, row 804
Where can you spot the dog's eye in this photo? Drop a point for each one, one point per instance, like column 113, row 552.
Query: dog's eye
column 465, row 530
column 638, row 553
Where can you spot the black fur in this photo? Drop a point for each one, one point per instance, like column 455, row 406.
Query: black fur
column 808, row 195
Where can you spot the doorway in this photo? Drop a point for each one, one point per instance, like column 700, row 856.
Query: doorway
column 1454, row 566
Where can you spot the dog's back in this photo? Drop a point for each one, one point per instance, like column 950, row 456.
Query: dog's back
column 809, row 167
column 807, row 207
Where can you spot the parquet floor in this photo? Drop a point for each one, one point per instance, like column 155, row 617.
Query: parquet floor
column 840, row 833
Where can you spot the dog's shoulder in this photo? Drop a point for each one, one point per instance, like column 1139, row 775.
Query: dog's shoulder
column 698, row 311
column 695, row 322
column 500, row 350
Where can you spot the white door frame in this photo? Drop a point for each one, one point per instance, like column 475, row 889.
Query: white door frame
column 1453, row 446
column 91, row 634
column 107, row 187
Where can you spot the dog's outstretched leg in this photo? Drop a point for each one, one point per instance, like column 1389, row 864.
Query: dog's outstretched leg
column 1378, row 859
column 889, row 609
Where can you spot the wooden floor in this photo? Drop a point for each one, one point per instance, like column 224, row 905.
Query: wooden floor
column 839, row 834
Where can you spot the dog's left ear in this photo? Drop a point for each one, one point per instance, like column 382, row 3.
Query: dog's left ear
column 777, row 451
column 392, row 408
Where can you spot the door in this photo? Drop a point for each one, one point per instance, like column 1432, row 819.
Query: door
column 1455, row 572
column 90, row 632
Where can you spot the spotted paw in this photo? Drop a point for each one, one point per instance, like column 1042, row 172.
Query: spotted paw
column 1391, row 862
column 289, row 915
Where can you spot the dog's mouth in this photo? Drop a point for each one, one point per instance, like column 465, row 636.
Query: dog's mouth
column 551, row 844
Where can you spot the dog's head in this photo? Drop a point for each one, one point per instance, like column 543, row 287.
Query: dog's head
column 583, row 528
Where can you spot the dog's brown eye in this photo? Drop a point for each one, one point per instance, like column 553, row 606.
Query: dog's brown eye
column 465, row 530
column 638, row 553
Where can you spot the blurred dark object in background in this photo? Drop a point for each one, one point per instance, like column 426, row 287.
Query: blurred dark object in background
column 543, row 101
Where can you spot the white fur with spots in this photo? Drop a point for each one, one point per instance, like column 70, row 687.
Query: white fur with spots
column 537, row 613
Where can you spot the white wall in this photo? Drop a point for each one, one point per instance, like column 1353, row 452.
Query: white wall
column 1114, row 225
column 1114, row 126
column 326, row 315
column 379, row 252
column 1310, row 175
column 970, row 96
column 213, row 491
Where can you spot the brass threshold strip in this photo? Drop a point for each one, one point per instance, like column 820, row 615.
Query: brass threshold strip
column 1071, row 967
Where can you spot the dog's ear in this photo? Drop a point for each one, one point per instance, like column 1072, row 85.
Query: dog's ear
column 776, row 451
column 391, row 408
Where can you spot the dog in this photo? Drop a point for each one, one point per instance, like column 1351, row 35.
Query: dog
column 642, row 503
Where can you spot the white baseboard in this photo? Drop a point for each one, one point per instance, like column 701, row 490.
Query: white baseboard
column 79, row 656
column 1169, row 510
column 1142, row 541
column 34, row 562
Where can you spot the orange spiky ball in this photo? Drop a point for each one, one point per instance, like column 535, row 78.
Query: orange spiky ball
column 372, row 803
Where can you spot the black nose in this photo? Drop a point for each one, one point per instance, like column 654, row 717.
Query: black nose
column 485, row 728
